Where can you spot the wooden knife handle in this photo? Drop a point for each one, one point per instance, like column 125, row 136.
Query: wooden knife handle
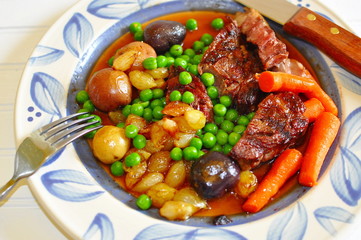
column 336, row 42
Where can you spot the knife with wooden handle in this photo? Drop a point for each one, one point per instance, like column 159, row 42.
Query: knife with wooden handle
column 336, row 42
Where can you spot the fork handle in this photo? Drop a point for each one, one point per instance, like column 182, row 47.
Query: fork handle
column 4, row 191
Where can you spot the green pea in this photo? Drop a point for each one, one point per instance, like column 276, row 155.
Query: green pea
column 176, row 50
column 209, row 140
column 218, row 119
column 217, row 148
column 139, row 141
column 180, row 62
column 207, row 39
column 126, row 110
column 239, row 129
column 205, row 49
column 162, row 61
column 188, row 97
column 175, row 96
column 82, row 96
column 117, row 169
column 198, row 46
column 197, row 143
column 189, row 52
column 155, row 103
column 231, row 115
column 111, row 61
column 200, row 154
column 190, row 153
column 146, row 95
column 226, row 100
column 193, row 68
column 139, row 36
column 136, row 100
column 144, row 104
column 158, row 93
column 219, row 110
column 196, row 59
column 227, row 126
column 132, row 159
column 148, row 114
column 157, row 112
column 135, row 27
column 121, row 125
column 222, row 137
column 131, row 131
column 199, row 132
column 208, row 79
column 250, row 115
column 217, row 23
column 185, row 78
column 212, row 92
column 137, row 109
column 211, row 127
column 191, row 24
column 176, row 154
column 84, row 115
column 89, row 106
column 243, row 120
column 233, row 138
column 227, row 148
column 90, row 134
column 170, row 61
column 185, row 57
column 150, row 63
column 144, row 202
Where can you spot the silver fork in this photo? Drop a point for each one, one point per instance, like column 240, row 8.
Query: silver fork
column 45, row 142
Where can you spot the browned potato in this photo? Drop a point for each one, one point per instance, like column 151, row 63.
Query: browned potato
column 144, row 51
column 108, row 89
column 110, row 144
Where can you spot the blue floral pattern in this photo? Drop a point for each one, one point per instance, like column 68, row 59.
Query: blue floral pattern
column 78, row 33
column 101, row 223
column 346, row 173
column 64, row 185
column 47, row 92
column 174, row 232
column 325, row 216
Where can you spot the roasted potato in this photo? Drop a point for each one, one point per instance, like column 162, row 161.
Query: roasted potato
column 108, row 89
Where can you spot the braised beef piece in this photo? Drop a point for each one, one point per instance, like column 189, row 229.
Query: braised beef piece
column 271, row 50
column 202, row 101
column 233, row 61
column 276, row 126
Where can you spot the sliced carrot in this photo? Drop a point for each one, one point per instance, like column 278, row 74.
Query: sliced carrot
column 279, row 81
column 285, row 166
column 314, row 108
column 322, row 136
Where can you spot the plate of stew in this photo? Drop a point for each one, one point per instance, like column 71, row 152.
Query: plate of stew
column 216, row 124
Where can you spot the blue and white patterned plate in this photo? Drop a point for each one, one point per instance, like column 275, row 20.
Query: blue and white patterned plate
column 86, row 204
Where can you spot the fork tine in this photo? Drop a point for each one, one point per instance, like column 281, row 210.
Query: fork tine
column 53, row 139
column 57, row 122
column 51, row 132
column 65, row 141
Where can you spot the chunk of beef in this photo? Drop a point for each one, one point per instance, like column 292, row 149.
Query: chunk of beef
column 276, row 126
column 202, row 101
column 234, row 63
column 271, row 50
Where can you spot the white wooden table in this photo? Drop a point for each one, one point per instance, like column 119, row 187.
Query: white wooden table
column 22, row 25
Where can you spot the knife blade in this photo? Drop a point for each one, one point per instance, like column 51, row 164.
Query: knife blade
column 336, row 42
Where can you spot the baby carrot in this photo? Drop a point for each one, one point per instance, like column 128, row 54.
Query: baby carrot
column 279, row 81
column 314, row 108
column 285, row 166
column 322, row 136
